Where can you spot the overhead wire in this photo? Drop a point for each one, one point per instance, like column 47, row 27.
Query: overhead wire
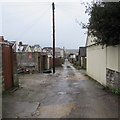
column 66, row 8
column 74, row 8
column 35, row 21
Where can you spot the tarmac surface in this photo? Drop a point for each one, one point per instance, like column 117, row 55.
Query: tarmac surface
column 68, row 93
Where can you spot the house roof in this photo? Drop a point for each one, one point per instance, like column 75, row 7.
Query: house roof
column 22, row 47
column 6, row 42
column 48, row 49
column 37, row 46
column 73, row 51
column 90, row 40
column 32, row 48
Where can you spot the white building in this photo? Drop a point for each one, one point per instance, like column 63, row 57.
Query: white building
column 103, row 63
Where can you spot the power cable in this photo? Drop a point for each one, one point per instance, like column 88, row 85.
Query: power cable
column 33, row 23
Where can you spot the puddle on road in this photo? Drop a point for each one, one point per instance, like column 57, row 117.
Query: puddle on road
column 70, row 93
column 75, row 83
column 61, row 93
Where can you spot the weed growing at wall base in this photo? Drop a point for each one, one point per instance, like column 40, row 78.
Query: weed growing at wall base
column 116, row 91
column 79, row 67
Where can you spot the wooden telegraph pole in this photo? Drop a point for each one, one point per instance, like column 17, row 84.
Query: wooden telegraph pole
column 53, row 9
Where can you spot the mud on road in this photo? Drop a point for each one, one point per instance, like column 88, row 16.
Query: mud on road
column 66, row 94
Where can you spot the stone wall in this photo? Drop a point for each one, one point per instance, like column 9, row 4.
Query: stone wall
column 15, row 74
column 27, row 60
column 113, row 79
column 33, row 61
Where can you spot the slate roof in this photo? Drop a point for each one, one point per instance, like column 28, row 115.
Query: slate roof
column 22, row 48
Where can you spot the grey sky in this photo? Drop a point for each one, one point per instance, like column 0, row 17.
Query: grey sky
column 31, row 22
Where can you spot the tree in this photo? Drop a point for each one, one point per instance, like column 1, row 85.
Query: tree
column 104, row 22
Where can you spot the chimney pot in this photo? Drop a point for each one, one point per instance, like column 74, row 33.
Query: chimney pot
column 20, row 43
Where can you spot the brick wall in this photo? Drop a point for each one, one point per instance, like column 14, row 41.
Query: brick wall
column 58, row 62
column 0, row 69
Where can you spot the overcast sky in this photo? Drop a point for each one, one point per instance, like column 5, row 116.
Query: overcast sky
column 31, row 22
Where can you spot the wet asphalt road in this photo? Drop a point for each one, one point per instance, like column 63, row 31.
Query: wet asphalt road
column 66, row 94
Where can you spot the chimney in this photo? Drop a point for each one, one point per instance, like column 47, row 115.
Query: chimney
column 1, row 38
column 20, row 43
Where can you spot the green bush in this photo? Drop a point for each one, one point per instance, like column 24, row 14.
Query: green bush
column 116, row 91
column 104, row 22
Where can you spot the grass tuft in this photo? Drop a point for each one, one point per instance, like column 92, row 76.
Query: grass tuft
column 68, row 67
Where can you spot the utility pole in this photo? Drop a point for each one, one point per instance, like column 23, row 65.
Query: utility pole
column 53, row 9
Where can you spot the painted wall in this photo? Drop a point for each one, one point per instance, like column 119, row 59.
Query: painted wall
column 98, row 59
column 96, row 63
column 119, row 58
column 112, row 58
